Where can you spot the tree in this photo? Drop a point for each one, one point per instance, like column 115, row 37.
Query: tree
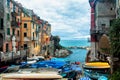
column 114, row 34
column 56, row 43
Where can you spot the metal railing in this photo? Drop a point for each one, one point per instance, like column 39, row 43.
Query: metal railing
column 11, row 55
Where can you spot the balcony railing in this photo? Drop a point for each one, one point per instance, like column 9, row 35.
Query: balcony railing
column 14, row 24
column 11, row 55
column 99, row 31
column 34, row 39
column 14, row 14
column 37, row 31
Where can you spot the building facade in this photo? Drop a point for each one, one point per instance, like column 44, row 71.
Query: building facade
column 102, row 14
column 22, row 32
column 2, row 37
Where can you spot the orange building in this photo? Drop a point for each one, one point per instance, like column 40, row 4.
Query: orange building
column 12, row 26
column 22, row 31
column 30, row 32
column 45, row 40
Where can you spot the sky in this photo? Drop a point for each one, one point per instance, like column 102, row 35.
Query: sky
column 69, row 19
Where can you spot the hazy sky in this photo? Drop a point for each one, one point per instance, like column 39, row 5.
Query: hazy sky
column 70, row 19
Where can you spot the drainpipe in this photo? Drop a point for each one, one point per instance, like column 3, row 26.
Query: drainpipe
column 41, row 38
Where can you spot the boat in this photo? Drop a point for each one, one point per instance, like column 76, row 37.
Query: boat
column 3, row 68
column 33, row 74
column 94, row 70
column 30, row 61
column 71, row 71
column 48, row 63
column 102, row 78
column 12, row 68
column 37, row 58
column 85, row 78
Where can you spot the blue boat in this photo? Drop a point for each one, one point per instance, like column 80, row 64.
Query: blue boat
column 71, row 71
column 102, row 78
column 48, row 63
column 71, row 67
column 85, row 78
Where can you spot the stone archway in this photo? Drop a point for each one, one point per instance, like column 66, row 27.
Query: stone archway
column 104, row 47
column 104, row 44
column 1, row 42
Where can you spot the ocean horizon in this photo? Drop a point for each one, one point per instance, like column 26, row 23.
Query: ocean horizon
column 78, row 54
column 80, row 42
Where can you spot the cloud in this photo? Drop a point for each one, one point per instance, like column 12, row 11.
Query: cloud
column 70, row 19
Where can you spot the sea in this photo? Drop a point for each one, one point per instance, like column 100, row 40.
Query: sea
column 78, row 55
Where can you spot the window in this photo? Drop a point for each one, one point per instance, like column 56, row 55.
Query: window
column 39, row 27
column 13, row 31
column 8, row 3
column 8, row 31
column 33, row 25
column 1, row 23
column 25, row 34
column 25, row 46
column 33, row 35
column 18, row 20
column 111, row 21
column 7, row 47
column 14, row 7
column 111, row 8
column 18, row 33
column 103, row 25
column 25, row 25
column 8, row 16
column 24, row 15
column 34, row 45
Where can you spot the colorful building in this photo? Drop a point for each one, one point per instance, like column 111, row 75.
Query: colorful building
column 45, row 38
column 102, row 14
column 22, row 32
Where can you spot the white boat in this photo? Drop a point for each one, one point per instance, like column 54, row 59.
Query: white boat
column 33, row 74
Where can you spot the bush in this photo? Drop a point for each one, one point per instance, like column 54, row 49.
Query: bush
column 115, row 75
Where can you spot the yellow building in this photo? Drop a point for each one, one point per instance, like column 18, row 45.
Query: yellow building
column 22, row 32
column 45, row 40
column 30, row 32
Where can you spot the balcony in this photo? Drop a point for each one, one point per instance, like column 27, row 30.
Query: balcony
column 93, row 31
column 14, row 14
column 8, row 37
column 17, row 38
column 34, row 39
column 37, row 31
column 14, row 24
column 99, row 31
